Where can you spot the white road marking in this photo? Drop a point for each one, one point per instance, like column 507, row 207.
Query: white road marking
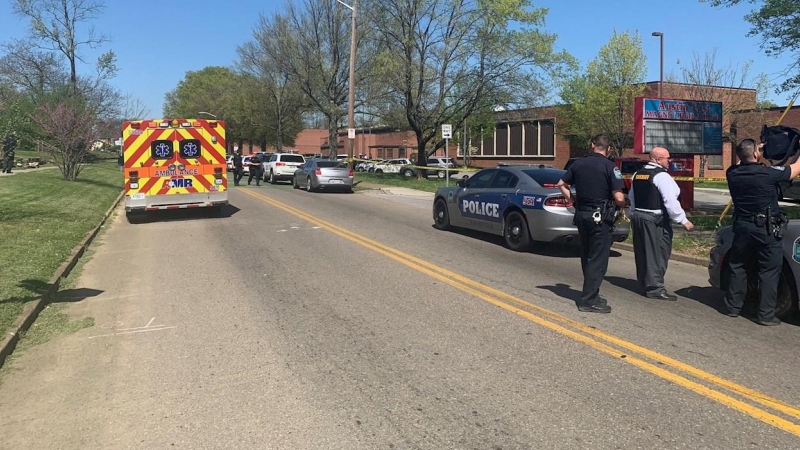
column 131, row 332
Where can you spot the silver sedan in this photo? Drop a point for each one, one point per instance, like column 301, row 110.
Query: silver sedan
column 323, row 174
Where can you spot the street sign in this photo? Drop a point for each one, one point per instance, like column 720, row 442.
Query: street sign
column 447, row 131
column 351, row 133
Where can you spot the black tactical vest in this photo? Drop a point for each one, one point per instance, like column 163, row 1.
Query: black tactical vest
column 646, row 195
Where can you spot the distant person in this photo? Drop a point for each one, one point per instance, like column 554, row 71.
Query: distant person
column 238, row 168
column 654, row 201
column 9, row 151
column 255, row 170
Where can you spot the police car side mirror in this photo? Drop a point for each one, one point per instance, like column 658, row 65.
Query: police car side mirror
column 461, row 183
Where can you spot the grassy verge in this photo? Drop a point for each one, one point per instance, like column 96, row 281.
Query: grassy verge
column 44, row 218
column 428, row 185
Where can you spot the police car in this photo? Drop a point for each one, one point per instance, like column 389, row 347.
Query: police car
column 519, row 202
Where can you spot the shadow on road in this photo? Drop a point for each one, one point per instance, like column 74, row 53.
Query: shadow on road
column 38, row 288
column 173, row 215
column 706, row 295
column 552, row 249
column 628, row 284
column 564, row 291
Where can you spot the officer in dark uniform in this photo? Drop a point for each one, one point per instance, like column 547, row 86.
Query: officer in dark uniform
column 757, row 230
column 255, row 170
column 598, row 188
column 9, row 151
column 238, row 168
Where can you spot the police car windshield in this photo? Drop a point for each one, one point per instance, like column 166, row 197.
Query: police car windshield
column 546, row 178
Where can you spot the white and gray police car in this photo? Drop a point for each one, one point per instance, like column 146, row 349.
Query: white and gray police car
column 519, row 202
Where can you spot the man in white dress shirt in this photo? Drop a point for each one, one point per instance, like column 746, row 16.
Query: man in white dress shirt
column 654, row 202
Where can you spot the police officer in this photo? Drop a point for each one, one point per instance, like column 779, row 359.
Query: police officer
column 238, row 168
column 654, row 200
column 598, row 186
column 756, row 230
column 9, row 147
column 255, row 170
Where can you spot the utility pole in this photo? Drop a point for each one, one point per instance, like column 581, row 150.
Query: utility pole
column 351, row 120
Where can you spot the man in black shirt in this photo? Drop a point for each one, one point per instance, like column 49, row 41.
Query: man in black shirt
column 754, row 191
column 9, row 147
column 238, row 168
column 598, row 189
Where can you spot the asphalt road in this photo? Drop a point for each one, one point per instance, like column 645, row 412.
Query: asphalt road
column 309, row 321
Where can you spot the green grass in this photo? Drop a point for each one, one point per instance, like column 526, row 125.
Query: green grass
column 429, row 185
column 43, row 219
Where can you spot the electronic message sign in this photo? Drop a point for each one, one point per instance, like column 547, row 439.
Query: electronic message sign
column 681, row 126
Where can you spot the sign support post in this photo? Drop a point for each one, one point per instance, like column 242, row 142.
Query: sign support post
column 447, row 133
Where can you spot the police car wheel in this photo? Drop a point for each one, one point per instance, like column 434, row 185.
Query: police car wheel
column 441, row 174
column 516, row 232
column 441, row 218
column 408, row 173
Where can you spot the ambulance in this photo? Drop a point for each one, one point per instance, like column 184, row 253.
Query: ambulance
column 174, row 164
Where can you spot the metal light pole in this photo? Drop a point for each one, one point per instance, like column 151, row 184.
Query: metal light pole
column 351, row 121
column 660, row 36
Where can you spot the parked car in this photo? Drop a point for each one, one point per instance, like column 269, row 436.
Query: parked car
column 718, row 271
column 229, row 162
column 436, row 165
column 323, row 174
column 392, row 165
column 281, row 166
column 519, row 202
column 246, row 161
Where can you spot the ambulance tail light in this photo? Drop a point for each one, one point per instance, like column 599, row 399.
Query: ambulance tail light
column 558, row 201
column 134, row 179
column 136, row 125
column 218, row 173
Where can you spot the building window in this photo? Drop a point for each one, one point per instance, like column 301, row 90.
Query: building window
column 402, row 152
column 528, row 139
column 714, row 162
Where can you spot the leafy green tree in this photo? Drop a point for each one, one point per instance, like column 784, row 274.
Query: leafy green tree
column 601, row 100
column 443, row 60
column 278, row 102
column 213, row 89
column 777, row 22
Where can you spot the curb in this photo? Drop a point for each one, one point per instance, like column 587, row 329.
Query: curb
column 675, row 256
column 32, row 309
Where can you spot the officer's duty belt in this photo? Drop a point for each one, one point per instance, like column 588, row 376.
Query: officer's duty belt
column 589, row 208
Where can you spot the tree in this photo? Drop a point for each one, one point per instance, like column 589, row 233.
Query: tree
column 315, row 52
column 212, row 89
column 279, row 103
column 442, row 60
column 55, row 27
column 67, row 129
column 777, row 22
column 602, row 99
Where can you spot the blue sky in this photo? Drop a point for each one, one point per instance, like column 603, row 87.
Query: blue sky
column 184, row 36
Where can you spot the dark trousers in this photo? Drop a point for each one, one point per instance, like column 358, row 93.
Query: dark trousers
column 752, row 244
column 238, row 173
column 255, row 172
column 8, row 163
column 652, row 247
column 595, row 249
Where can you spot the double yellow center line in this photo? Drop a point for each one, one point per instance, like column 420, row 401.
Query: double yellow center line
column 715, row 388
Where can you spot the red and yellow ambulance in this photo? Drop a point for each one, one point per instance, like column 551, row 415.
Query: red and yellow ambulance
column 174, row 164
